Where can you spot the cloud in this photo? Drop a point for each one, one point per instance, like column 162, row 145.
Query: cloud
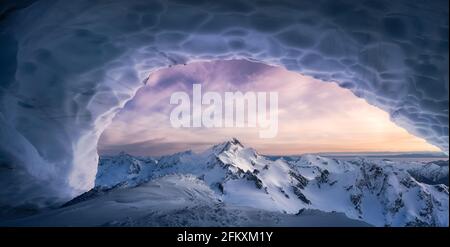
column 152, row 147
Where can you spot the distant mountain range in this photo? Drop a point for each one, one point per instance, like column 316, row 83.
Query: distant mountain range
column 385, row 155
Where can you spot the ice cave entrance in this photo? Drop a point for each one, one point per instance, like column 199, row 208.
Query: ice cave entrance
column 313, row 116
column 73, row 80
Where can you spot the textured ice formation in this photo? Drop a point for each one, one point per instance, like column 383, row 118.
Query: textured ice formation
column 66, row 67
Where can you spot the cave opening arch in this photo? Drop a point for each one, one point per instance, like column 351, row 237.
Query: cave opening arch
column 70, row 67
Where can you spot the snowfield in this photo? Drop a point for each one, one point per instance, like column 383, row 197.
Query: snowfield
column 172, row 200
column 231, row 185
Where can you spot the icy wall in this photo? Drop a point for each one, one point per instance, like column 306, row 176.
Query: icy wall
column 66, row 67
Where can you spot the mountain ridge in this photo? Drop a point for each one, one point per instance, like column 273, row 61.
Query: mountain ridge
column 381, row 193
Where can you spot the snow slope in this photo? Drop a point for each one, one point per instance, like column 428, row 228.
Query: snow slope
column 172, row 200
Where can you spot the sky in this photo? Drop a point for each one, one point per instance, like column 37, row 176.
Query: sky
column 313, row 116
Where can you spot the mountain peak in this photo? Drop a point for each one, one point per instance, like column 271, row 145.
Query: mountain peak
column 235, row 141
column 230, row 145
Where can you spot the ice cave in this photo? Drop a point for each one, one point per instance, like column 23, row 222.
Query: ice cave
column 67, row 67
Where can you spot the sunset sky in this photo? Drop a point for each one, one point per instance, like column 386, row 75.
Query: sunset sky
column 314, row 116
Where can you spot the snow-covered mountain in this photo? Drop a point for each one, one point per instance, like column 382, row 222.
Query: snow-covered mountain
column 381, row 193
column 435, row 172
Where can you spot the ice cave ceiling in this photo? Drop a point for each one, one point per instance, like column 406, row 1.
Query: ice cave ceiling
column 66, row 67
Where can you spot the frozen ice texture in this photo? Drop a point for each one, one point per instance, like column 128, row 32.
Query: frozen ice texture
column 67, row 67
